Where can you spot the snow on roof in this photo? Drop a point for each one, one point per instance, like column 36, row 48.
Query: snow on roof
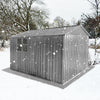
column 54, row 31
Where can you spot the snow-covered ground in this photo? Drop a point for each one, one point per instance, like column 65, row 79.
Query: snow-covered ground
column 92, row 41
column 91, row 51
column 17, row 87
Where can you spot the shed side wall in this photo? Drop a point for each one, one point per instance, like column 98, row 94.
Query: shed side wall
column 76, row 55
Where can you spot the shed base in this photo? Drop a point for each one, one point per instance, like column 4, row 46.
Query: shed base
column 67, row 83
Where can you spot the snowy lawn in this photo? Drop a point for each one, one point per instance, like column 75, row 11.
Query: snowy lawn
column 92, row 41
column 17, row 87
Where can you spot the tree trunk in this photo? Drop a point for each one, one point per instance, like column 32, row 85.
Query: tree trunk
column 2, row 44
column 95, row 45
column 27, row 21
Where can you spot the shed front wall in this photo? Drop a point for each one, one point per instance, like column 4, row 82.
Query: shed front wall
column 75, row 55
column 43, row 57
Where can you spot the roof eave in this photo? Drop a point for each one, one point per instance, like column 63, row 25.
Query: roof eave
column 85, row 30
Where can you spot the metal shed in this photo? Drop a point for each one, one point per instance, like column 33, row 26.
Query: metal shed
column 56, row 54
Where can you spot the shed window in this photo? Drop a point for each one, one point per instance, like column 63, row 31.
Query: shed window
column 25, row 44
column 19, row 41
column 22, row 44
column 19, row 44
column 19, row 48
column 24, row 41
column 25, row 48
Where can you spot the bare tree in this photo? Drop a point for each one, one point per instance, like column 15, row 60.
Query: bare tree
column 22, row 15
column 73, row 21
column 96, row 6
column 60, row 22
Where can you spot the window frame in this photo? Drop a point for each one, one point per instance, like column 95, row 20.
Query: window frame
column 24, row 43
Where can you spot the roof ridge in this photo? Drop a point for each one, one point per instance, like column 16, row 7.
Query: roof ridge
column 52, row 31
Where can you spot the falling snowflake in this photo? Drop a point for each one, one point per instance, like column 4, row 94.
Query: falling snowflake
column 40, row 42
column 24, row 36
column 82, row 38
column 64, row 28
column 84, row 63
column 79, row 64
column 86, row 40
column 73, row 75
column 51, row 46
column 40, row 11
column 24, row 59
column 21, row 45
column 35, row 62
column 77, row 60
column 75, row 45
column 13, row 61
column 30, row 47
column 54, row 53
column 63, row 49
column 29, row 38
column 84, row 71
column 47, row 53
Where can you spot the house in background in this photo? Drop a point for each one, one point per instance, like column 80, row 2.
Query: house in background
column 58, row 55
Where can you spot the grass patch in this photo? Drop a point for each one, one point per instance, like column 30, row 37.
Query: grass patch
column 1, row 49
column 93, row 46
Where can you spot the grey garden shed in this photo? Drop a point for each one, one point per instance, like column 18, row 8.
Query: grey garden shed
column 56, row 54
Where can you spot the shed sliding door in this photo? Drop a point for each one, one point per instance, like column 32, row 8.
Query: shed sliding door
column 48, row 57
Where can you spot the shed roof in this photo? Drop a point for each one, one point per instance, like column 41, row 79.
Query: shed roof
column 54, row 31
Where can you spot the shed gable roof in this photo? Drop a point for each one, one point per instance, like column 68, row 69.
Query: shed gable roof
column 54, row 31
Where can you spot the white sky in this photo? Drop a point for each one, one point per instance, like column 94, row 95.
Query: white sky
column 67, row 9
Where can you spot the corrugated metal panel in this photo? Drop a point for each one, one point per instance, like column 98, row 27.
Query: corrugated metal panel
column 43, row 57
column 76, row 55
column 48, row 57
column 13, row 54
